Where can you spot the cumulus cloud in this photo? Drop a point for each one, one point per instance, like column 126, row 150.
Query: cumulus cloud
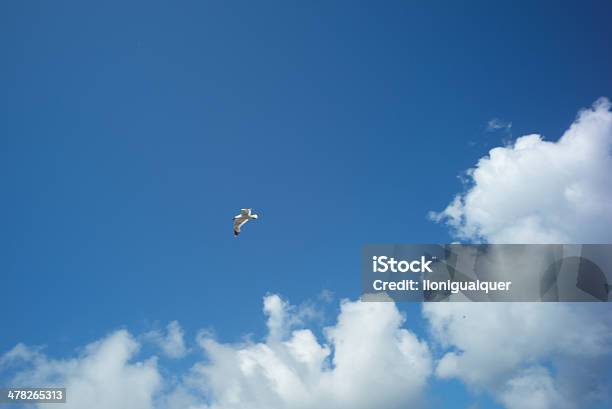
column 366, row 350
column 102, row 376
column 532, row 389
column 534, row 191
column 489, row 346
column 538, row 191
column 172, row 343
column 367, row 359
column 283, row 317
column 534, row 356
column 526, row 355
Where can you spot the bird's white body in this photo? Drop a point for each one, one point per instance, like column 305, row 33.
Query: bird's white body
column 239, row 220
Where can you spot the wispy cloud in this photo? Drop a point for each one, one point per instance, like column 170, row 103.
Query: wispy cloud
column 172, row 343
column 496, row 124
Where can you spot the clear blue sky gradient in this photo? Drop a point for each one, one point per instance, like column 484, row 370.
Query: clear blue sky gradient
column 132, row 132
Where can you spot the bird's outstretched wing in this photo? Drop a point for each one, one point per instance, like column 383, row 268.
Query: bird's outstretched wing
column 238, row 223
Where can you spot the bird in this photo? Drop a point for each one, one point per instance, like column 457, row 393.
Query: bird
column 239, row 220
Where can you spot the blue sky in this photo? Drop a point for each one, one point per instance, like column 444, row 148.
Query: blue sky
column 132, row 134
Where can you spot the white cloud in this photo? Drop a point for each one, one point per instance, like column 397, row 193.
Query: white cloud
column 504, row 349
column 102, row 376
column 515, row 335
column 497, row 124
column 533, row 192
column 172, row 344
column 367, row 360
column 536, row 191
column 533, row 356
column 532, row 389
column 366, row 351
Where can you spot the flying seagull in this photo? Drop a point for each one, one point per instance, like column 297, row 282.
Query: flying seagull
column 239, row 221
